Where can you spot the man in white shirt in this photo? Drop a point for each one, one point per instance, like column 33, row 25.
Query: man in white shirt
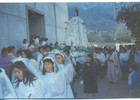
column 101, row 58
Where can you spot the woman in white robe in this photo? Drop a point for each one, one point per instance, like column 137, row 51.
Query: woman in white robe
column 6, row 88
column 113, row 67
column 27, row 85
column 67, row 69
column 54, row 81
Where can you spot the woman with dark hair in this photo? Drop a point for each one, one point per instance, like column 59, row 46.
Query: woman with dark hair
column 55, row 82
column 11, row 52
column 28, row 55
column 67, row 69
column 27, row 85
column 90, row 76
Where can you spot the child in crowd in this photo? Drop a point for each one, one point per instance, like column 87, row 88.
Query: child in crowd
column 133, row 81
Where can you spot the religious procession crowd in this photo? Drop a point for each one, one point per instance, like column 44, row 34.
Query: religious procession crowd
column 43, row 70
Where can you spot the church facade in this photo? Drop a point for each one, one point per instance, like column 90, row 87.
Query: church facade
column 19, row 21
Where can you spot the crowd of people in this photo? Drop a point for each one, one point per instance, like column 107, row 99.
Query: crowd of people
column 43, row 70
column 120, row 64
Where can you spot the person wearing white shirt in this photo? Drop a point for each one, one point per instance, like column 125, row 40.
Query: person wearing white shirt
column 45, row 42
column 101, row 59
column 123, row 62
column 36, row 40
column 24, row 45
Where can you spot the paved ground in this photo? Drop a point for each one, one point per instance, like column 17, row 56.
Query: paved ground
column 105, row 89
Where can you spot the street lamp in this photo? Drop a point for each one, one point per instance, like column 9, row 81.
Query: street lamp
column 115, row 14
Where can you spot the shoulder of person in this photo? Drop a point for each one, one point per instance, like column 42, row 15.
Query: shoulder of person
column 39, row 81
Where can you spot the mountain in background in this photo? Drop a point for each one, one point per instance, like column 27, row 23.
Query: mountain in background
column 97, row 16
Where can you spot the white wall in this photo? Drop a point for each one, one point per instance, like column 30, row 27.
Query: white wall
column 61, row 18
column 12, row 25
column 14, row 21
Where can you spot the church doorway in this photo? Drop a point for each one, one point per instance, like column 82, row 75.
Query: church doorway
column 36, row 23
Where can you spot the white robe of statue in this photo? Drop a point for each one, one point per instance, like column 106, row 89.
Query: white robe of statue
column 68, row 72
column 76, row 31
column 35, row 90
column 113, row 68
column 55, row 85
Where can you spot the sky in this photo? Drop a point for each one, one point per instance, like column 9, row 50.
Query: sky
column 97, row 16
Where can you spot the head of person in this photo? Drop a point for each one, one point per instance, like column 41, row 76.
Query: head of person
column 41, row 49
column 128, row 47
column 47, row 48
column 11, row 49
column 89, row 58
column 19, row 53
column 48, row 65
column 32, row 42
column 4, row 51
column 24, row 41
column 26, row 54
column 96, row 50
column 67, row 52
column 22, row 73
column 99, row 50
column 109, row 51
column 124, row 50
column 45, row 39
column 56, row 42
column 132, row 67
column 133, row 47
column 59, row 58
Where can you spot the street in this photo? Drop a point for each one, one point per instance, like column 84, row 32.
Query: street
column 106, row 90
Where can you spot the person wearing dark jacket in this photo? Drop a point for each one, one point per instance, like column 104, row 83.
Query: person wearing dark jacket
column 90, row 76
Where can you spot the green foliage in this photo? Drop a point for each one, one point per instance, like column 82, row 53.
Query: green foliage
column 82, row 49
column 99, row 37
column 87, row 50
column 122, row 34
column 130, row 15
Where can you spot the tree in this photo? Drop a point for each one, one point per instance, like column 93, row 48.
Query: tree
column 130, row 15
column 122, row 33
